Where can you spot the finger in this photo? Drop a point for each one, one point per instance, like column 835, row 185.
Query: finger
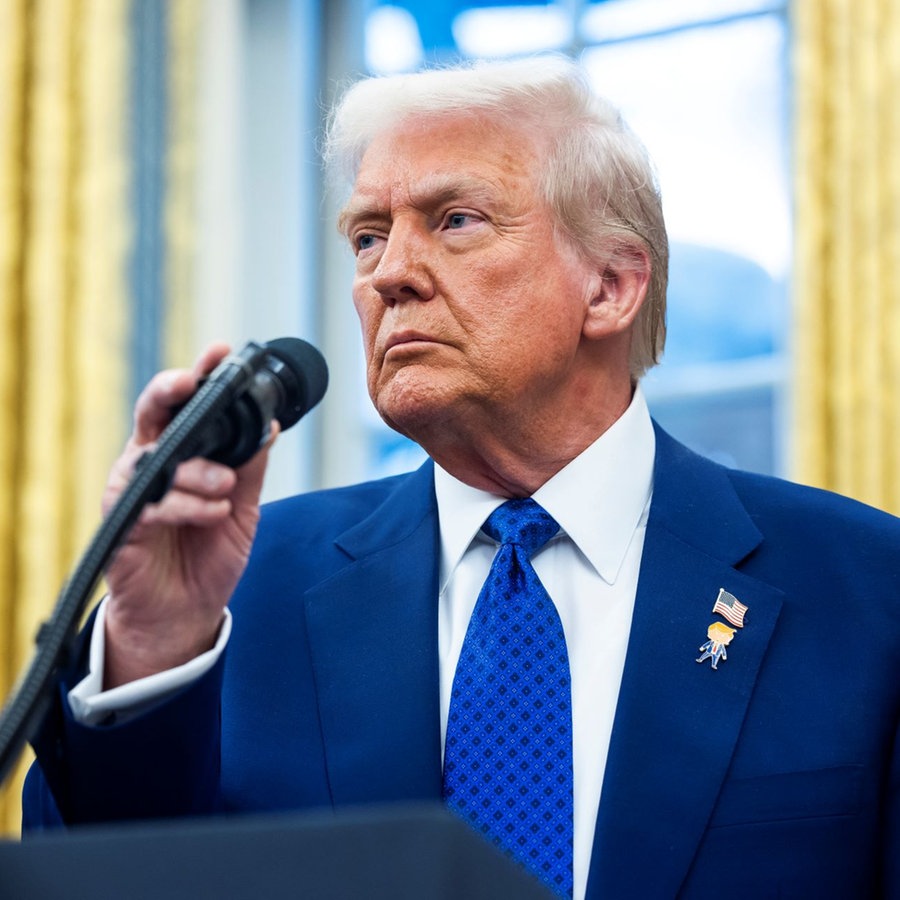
column 201, row 487
column 204, row 478
column 120, row 475
column 196, row 476
column 169, row 390
column 157, row 403
column 251, row 475
column 180, row 508
column 210, row 358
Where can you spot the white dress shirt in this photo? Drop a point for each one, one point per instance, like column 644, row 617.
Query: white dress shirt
column 590, row 570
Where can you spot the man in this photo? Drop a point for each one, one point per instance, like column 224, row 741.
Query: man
column 510, row 282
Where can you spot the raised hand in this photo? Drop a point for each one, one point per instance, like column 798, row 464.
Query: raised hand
column 170, row 582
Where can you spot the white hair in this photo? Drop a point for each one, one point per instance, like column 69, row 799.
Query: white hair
column 596, row 176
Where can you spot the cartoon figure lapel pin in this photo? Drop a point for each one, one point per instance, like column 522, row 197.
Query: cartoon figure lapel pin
column 720, row 635
column 719, row 638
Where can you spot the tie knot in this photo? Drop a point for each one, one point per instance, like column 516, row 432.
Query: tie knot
column 521, row 522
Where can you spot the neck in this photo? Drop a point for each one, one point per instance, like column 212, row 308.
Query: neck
column 515, row 462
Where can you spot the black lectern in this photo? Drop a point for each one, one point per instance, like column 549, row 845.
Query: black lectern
column 395, row 853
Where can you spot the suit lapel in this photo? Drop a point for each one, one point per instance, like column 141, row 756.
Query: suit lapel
column 381, row 721
column 677, row 722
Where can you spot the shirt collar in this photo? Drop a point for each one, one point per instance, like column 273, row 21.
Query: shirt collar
column 598, row 499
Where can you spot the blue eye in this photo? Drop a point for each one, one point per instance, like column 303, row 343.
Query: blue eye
column 457, row 220
column 365, row 241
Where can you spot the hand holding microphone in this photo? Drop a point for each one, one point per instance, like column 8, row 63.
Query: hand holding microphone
column 280, row 380
column 169, row 583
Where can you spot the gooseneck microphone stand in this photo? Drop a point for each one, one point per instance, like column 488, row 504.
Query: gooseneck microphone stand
column 186, row 436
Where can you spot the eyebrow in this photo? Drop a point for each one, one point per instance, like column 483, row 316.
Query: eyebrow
column 436, row 189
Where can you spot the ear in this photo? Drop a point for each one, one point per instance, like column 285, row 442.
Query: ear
column 617, row 294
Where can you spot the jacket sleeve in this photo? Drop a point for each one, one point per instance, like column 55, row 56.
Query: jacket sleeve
column 891, row 829
column 164, row 762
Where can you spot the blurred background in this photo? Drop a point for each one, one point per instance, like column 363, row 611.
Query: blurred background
column 160, row 188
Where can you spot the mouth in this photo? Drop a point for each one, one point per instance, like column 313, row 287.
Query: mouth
column 406, row 340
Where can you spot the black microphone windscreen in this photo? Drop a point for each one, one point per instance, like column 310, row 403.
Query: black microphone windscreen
column 309, row 369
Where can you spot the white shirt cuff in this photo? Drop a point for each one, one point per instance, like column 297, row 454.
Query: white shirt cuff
column 91, row 705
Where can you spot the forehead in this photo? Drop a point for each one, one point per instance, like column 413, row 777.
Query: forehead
column 442, row 158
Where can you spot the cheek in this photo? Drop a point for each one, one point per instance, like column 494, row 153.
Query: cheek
column 369, row 316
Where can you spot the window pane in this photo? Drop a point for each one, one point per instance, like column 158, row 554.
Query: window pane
column 709, row 103
column 616, row 19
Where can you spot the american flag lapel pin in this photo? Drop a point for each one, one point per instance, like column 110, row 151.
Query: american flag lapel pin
column 720, row 635
column 729, row 607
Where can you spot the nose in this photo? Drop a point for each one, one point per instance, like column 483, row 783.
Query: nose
column 403, row 271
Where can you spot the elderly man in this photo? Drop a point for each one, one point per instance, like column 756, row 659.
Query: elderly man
column 514, row 627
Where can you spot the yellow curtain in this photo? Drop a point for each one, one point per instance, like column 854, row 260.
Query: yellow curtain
column 847, row 326
column 64, row 240
column 183, row 34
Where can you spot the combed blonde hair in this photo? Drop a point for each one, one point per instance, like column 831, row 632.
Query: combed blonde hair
column 596, row 175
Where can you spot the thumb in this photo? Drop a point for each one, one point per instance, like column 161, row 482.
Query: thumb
column 251, row 475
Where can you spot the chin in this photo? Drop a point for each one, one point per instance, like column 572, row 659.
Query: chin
column 412, row 421
column 413, row 405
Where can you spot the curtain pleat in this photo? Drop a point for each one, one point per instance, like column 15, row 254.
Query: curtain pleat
column 847, row 212
column 64, row 242
column 180, row 202
column 13, row 78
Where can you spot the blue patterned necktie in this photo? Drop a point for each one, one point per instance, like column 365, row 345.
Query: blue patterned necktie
column 508, row 756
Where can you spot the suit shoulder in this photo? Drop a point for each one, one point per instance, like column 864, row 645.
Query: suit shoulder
column 365, row 492
column 826, row 536
column 307, row 537
column 339, row 506
column 684, row 480
column 819, row 528
column 814, row 508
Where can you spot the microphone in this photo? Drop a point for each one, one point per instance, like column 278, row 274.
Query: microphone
column 229, row 418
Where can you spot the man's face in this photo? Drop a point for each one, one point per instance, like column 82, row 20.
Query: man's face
column 471, row 307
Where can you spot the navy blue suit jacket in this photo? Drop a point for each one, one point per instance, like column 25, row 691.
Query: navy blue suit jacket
column 776, row 775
